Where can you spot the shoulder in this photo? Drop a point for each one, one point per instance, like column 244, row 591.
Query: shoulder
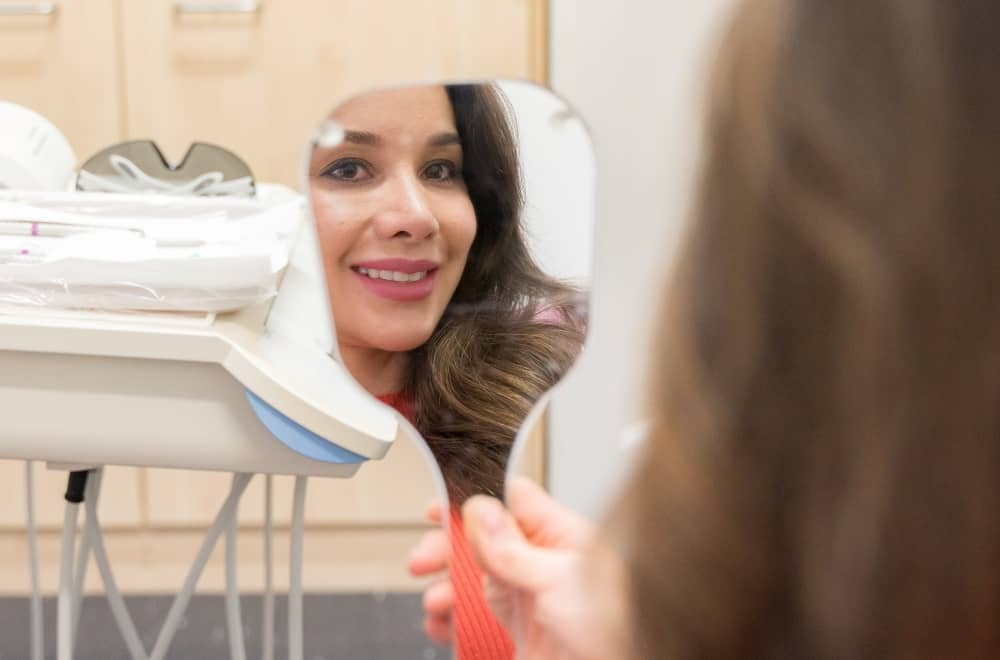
column 401, row 401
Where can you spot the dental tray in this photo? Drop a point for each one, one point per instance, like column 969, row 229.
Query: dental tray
column 254, row 390
column 149, row 252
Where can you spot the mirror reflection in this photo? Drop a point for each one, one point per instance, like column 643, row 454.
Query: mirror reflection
column 455, row 227
column 441, row 306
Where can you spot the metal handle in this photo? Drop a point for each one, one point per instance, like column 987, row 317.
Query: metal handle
column 234, row 7
column 28, row 8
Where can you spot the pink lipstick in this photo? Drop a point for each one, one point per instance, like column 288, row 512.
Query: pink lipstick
column 402, row 280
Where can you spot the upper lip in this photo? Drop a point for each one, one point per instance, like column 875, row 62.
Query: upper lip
column 408, row 266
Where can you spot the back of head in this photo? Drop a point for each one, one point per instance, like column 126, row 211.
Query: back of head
column 822, row 476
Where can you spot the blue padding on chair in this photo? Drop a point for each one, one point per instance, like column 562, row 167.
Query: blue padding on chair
column 298, row 438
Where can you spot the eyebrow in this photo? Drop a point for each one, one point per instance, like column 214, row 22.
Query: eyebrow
column 373, row 140
column 362, row 137
column 444, row 139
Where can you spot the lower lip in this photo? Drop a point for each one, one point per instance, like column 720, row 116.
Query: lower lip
column 399, row 291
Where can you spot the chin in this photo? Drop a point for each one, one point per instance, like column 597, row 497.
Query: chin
column 401, row 342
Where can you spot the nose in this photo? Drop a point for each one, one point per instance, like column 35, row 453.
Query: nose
column 405, row 211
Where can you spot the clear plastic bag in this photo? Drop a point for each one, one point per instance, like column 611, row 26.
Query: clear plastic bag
column 144, row 252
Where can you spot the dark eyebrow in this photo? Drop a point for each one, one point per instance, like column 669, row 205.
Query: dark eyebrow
column 373, row 140
column 362, row 137
column 444, row 139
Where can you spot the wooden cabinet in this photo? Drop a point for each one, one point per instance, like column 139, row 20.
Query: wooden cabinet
column 65, row 66
column 393, row 491
column 260, row 82
column 120, row 508
column 257, row 83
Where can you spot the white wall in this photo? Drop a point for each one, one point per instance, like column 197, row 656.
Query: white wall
column 635, row 71
column 558, row 172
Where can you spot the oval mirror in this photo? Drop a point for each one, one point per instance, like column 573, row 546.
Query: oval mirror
column 455, row 224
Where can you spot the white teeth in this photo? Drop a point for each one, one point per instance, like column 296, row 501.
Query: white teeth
column 392, row 275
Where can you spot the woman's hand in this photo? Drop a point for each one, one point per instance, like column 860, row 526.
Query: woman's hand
column 430, row 557
column 532, row 559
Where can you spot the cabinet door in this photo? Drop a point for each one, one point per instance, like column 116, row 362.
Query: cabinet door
column 395, row 490
column 64, row 65
column 118, row 508
column 259, row 82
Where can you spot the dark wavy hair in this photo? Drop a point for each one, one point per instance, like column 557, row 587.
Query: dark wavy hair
column 492, row 354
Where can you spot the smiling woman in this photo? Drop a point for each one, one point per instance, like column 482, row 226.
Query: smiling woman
column 438, row 305
column 396, row 225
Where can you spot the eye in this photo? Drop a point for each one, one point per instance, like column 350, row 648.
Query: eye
column 350, row 170
column 441, row 171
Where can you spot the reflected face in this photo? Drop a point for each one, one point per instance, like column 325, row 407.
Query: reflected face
column 394, row 219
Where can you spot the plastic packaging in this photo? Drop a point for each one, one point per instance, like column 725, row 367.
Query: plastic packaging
column 146, row 252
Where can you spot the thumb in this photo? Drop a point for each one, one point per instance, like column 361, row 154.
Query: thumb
column 501, row 549
column 545, row 521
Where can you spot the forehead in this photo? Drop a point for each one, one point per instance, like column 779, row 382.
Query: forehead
column 410, row 111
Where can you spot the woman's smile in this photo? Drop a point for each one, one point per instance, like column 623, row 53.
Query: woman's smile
column 402, row 280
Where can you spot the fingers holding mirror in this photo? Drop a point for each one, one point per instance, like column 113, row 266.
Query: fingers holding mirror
column 455, row 226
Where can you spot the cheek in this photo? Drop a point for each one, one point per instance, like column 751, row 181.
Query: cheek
column 339, row 228
column 339, row 224
column 460, row 228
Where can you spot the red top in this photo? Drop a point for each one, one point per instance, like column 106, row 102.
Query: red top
column 477, row 633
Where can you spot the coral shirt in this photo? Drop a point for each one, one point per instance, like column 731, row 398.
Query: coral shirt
column 477, row 633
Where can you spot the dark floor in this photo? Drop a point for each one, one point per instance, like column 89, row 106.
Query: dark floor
column 355, row 627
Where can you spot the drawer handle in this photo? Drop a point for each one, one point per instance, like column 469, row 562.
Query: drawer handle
column 28, row 8
column 235, row 7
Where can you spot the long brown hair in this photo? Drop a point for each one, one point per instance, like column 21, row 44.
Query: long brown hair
column 493, row 354
column 822, row 475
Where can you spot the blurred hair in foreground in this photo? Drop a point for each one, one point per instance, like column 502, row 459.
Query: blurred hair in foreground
column 823, row 472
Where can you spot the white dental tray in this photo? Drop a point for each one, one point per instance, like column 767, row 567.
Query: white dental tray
column 255, row 390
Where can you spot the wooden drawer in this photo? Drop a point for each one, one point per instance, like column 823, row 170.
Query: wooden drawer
column 65, row 66
column 120, row 503
column 260, row 83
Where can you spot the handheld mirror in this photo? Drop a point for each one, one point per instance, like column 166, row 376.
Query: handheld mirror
column 455, row 225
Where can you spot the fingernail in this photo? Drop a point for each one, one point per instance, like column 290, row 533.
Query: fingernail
column 494, row 519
